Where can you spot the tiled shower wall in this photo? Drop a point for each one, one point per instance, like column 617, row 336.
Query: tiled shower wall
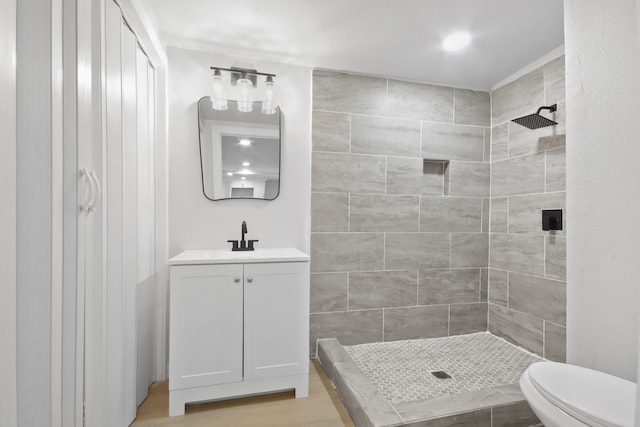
column 399, row 246
column 527, row 288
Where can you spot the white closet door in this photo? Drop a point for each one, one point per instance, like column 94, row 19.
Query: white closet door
column 114, row 219
column 130, row 218
column 145, row 237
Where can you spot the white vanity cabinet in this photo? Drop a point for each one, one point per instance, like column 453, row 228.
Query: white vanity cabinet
column 239, row 325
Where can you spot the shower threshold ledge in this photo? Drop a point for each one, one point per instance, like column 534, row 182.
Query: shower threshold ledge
column 497, row 406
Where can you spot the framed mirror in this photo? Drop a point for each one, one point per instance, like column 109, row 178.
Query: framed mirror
column 239, row 152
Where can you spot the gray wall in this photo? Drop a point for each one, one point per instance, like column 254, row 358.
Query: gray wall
column 392, row 257
column 527, row 284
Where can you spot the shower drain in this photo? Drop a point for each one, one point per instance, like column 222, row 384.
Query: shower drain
column 440, row 375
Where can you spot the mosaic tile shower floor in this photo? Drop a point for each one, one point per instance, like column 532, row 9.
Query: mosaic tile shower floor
column 402, row 369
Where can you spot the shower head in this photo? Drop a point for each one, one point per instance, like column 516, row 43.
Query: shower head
column 535, row 121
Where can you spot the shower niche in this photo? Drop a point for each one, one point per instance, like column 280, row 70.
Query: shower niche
column 437, row 172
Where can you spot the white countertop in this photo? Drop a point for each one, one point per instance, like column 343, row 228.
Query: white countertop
column 226, row 256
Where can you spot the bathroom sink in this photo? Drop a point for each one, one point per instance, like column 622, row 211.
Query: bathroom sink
column 226, row 256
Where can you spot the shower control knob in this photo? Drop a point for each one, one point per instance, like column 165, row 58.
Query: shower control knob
column 249, row 279
column 236, row 279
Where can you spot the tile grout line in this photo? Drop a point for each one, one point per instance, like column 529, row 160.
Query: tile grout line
column 348, row 287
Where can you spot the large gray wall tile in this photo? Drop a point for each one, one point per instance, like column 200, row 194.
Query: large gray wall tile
column 518, row 98
column 381, row 135
column 328, row 292
column 484, row 285
column 556, row 167
column 420, row 101
column 329, row 212
column 543, row 298
column 520, row 175
column 500, row 142
column 349, row 327
column 525, row 212
column 554, row 81
column 468, row 318
column 469, row 250
column 448, row 286
column 514, row 415
column 555, row 257
column 518, row 328
column 519, row 253
column 416, row 322
column 452, row 142
column 555, row 342
column 498, row 287
column 499, row 214
column 411, row 176
column 450, row 214
column 383, row 289
column 333, row 91
column 384, row 213
column 472, row 107
column 523, row 140
column 486, row 204
column 469, row 179
column 486, row 155
column 416, row 250
column 330, row 131
column 355, row 173
column 346, row 252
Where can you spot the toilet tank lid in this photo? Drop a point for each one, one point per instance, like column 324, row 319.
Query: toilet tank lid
column 585, row 393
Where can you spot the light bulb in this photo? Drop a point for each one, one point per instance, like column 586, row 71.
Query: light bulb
column 245, row 164
column 269, row 104
column 218, row 97
column 456, row 41
column 245, row 95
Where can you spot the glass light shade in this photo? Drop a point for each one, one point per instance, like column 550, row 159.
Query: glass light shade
column 269, row 104
column 218, row 97
column 245, row 95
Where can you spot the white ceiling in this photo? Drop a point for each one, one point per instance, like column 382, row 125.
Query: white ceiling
column 395, row 38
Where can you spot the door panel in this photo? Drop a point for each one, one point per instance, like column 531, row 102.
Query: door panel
column 276, row 319
column 146, row 242
column 206, row 325
column 130, row 218
column 114, row 219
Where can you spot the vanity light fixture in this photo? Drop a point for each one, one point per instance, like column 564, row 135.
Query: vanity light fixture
column 218, row 96
column 246, row 80
column 456, row 41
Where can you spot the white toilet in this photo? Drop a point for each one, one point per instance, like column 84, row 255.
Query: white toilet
column 571, row 396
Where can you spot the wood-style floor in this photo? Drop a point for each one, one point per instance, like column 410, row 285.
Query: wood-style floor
column 322, row 408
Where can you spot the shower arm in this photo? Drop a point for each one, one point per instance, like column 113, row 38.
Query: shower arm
column 552, row 108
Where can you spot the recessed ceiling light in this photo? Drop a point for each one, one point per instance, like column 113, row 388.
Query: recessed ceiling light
column 456, row 41
column 246, row 164
column 244, row 177
column 245, row 142
column 229, row 173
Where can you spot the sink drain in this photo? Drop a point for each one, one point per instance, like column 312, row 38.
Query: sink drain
column 442, row 375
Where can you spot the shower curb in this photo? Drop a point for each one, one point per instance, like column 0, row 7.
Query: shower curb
column 498, row 407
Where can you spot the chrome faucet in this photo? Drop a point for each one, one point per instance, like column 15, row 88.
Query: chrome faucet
column 243, row 243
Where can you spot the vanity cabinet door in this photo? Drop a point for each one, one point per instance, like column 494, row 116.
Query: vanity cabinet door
column 205, row 325
column 276, row 319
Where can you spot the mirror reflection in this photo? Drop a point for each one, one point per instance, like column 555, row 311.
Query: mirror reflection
column 239, row 152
